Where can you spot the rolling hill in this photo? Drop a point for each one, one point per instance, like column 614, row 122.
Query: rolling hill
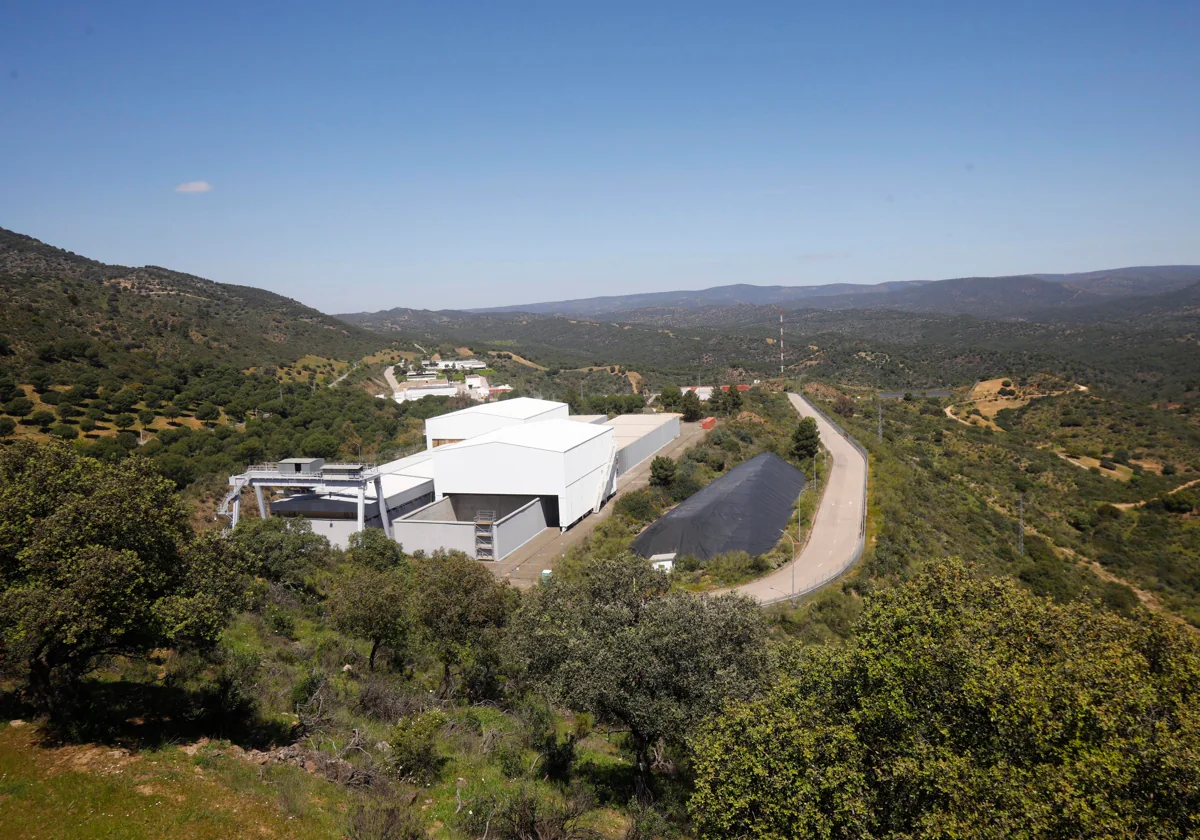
column 57, row 302
column 1019, row 296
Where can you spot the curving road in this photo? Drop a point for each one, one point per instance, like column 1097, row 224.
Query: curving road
column 389, row 373
column 836, row 533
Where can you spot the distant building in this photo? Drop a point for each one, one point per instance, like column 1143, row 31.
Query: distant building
column 705, row 392
column 436, row 388
column 454, row 364
column 477, row 387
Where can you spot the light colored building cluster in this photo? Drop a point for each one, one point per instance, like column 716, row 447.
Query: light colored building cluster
column 492, row 477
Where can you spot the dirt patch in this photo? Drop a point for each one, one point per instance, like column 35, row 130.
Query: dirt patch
column 635, row 381
column 750, row 417
column 822, row 391
column 520, row 360
column 1120, row 473
column 314, row 762
column 87, row 758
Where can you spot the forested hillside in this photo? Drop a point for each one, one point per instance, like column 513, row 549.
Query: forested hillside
column 59, row 306
column 985, row 297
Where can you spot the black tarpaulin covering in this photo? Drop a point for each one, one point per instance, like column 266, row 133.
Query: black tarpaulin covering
column 743, row 510
column 316, row 506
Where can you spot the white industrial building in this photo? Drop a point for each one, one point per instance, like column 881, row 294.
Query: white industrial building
column 639, row 436
column 455, row 364
column 493, row 477
column 429, row 389
column 481, row 419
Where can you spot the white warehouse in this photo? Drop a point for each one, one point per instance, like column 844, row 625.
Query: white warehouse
column 493, row 477
column 481, row 419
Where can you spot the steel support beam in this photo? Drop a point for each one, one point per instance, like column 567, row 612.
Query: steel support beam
column 382, row 502
column 237, row 510
column 362, row 507
column 262, row 505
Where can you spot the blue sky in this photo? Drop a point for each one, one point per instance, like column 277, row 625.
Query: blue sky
column 450, row 154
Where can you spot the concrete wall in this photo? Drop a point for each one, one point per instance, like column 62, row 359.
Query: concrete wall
column 656, row 438
column 338, row 531
column 433, row 527
column 519, row 528
column 468, row 504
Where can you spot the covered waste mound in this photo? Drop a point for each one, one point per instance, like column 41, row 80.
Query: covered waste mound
column 743, row 510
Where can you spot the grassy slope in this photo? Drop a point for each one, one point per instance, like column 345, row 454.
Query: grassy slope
column 92, row 791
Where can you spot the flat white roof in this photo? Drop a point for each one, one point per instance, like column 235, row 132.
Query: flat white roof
column 589, row 418
column 420, row 465
column 643, row 420
column 550, row 435
column 521, row 408
column 631, row 427
column 393, row 485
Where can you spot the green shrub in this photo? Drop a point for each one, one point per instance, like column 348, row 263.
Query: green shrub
column 524, row 814
column 684, row 487
column 414, row 753
column 236, row 689
column 508, row 755
column 280, row 621
column 385, row 819
column 63, row 431
column 638, row 505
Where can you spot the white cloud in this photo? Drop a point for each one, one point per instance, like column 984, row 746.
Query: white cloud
column 194, row 187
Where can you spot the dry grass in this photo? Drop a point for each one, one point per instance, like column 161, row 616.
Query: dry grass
column 1120, row 473
column 520, row 360
column 92, row 791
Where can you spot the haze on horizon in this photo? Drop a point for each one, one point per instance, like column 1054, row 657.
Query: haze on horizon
column 460, row 155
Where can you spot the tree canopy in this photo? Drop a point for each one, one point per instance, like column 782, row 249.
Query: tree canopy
column 97, row 560
column 965, row 708
column 375, row 605
column 806, row 440
column 613, row 641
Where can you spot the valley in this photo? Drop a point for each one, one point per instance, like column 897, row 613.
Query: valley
column 1047, row 449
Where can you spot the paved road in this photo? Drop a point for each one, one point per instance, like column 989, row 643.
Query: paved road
column 390, row 375
column 523, row 567
column 836, row 525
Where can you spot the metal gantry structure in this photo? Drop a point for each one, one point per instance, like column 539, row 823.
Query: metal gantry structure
column 330, row 477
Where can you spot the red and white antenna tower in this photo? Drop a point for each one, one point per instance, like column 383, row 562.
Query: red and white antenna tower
column 780, row 308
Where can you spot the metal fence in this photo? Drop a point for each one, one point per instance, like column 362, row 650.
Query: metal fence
column 862, row 525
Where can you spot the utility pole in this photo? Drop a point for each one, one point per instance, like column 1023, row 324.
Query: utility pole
column 1021, row 524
